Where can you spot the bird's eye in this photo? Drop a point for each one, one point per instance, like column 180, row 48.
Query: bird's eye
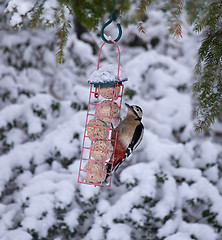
column 138, row 109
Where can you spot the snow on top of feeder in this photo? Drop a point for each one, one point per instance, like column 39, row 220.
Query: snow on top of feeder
column 108, row 74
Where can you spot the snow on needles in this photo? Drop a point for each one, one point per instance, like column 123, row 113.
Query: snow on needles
column 23, row 7
column 169, row 188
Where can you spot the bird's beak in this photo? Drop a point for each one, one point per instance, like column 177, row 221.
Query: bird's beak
column 128, row 106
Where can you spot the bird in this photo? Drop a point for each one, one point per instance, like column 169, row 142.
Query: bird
column 128, row 134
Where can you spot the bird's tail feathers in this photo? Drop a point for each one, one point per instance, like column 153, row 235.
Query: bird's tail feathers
column 116, row 166
column 115, row 163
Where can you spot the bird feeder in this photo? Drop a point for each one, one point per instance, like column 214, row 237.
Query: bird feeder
column 103, row 114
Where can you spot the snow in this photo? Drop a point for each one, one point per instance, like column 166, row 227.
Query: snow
column 168, row 202
column 209, row 153
column 22, row 7
column 86, row 193
column 119, row 232
column 48, row 11
column 169, row 188
column 17, row 234
column 201, row 231
column 179, row 235
column 25, row 6
column 103, row 206
column 108, row 74
column 71, row 218
column 171, row 226
column 15, row 19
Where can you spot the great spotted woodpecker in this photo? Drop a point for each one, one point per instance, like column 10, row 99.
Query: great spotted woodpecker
column 129, row 134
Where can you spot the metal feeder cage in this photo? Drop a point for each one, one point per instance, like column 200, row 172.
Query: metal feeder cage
column 103, row 114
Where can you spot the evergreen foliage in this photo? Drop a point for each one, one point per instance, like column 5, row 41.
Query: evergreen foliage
column 141, row 10
column 62, row 34
column 37, row 13
column 89, row 13
column 175, row 8
column 170, row 189
column 205, row 16
column 209, row 64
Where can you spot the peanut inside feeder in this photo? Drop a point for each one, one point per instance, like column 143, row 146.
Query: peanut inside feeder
column 108, row 111
column 95, row 172
column 108, row 92
column 97, row 129
column 101, row 150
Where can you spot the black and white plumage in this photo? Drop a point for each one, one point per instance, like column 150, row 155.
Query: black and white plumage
column 129, row 134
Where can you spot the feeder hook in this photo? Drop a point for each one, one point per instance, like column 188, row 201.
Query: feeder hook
column 105, row 25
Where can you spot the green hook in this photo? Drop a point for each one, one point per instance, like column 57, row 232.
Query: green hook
column 105, row 25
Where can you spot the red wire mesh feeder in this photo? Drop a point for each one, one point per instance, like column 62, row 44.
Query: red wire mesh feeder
column 103, row 114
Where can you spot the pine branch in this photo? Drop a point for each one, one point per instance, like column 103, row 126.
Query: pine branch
column 176, row 7
column 70, row 10
column 88, row 13
column 208, row 87
column 206, row 117
column 62, row 34
column 193, row 9
column 140, row 27
column 36, row 14
column 208, row 16
column 143, row 5
column 177, row 31
column 141, row 10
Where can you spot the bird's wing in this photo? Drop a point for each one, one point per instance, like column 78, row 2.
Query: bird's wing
column 137, row 137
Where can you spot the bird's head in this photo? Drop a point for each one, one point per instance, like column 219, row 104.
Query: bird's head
column 135, row 110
